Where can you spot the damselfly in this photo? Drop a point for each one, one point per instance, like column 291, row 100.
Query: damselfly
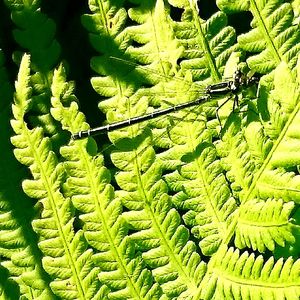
column 229, row 87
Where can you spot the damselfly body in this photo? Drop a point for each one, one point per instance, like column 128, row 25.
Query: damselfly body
column 229, row 87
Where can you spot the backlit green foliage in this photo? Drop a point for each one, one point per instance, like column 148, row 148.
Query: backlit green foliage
column 179, row 207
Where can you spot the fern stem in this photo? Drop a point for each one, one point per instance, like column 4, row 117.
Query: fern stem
column 103, row 15
column 257, row 15
column 205, row 46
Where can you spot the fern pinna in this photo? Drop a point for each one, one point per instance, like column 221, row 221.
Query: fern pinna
column 198, row 204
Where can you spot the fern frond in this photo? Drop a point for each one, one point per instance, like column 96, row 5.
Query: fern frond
column 274, row 36
column 161, row 46
column 18, row 250
column 154, row 33
column 279, row 184
column 232, row 275
column 66, row 256
column 105, row 26
column 262, row 224
column 139, row 173
column 245, row 152
column 104, row 228
column 160, row 236
column 19, row 254
column 280, row 99
column 35, row 33
column 296, row 9
column 284, row 153
column 157, row 67
column 8, row 288
column 285, row 95
column 236, row 157
column 208, row 44
column 275, row 158
column 209, row 201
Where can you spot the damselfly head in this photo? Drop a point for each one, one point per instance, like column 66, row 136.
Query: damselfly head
column 238, row 80
column 242, row 79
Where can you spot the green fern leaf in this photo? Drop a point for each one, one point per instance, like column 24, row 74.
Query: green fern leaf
column 160, row 236
column 274, row 37
column 216, row 41
column 234, row 276
column 261, row 224
column 255, row 179
column 236, row 159
column 8, row 288
column 35, row 33
column 147, row 33
column 208, row 198
column 279, row 184
column 106, row 35
column 67, row 257
column 19, row 255
column 105, row 230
